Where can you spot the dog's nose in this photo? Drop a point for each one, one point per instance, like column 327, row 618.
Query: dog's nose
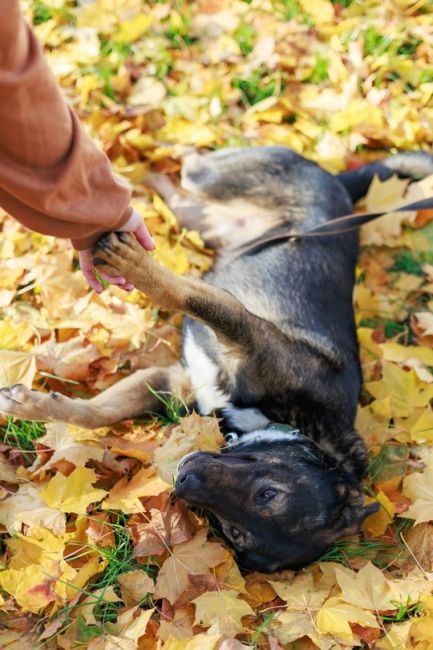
column 187, row 483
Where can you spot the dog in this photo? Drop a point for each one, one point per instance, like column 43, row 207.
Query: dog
column 269, row 346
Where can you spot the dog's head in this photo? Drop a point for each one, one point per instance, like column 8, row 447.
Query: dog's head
column 278, row 499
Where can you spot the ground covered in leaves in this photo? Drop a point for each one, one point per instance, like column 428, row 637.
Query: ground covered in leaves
column 93, row 551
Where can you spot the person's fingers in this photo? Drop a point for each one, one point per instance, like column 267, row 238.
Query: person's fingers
column 86, row 264
column 143, row 236
column 135, row 224
column 112, row 279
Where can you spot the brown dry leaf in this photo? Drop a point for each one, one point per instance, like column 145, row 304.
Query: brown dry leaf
column 194, row 433
column 420, row 542
column 61, row 440
column 7, row 471
column 126, row 495
column 99, row 530
column 69, row 360
column 291, row 626
column 135, row 586
column 163, row 529
column 195, row 557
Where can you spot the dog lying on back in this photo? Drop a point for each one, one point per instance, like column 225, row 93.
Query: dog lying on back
column 269, row 345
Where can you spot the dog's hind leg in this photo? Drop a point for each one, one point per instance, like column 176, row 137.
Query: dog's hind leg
column 129, row 398
column 187, row 208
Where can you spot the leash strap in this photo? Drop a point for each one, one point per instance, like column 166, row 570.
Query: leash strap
column 337, row 226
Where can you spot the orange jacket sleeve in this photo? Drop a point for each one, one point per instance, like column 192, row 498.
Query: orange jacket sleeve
column 53, row 178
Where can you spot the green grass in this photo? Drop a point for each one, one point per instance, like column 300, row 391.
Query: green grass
column 406, row 262
column 174, row 407
column 22, row 435
column 119, row 555
column 41, row 13
column 291, row 9
column 244, row 36
column 261, row 629
column 259, row 85
column 320, row 70
column 405, row 610
column 375, row 43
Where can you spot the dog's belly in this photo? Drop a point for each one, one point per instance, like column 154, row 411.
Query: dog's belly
column 209, row 398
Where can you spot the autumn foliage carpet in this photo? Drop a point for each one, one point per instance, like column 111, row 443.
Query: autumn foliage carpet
column 94, row 553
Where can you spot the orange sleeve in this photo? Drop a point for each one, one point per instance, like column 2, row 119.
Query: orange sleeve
column 53, row 178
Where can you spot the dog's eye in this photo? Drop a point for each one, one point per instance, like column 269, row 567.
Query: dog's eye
column 235, row 533
column 269, row 494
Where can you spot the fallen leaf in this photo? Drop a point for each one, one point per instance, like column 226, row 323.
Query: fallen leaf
column 221, row 612
column 419, row 487
column 135, row 586
column 195, row 557
column 72, row 493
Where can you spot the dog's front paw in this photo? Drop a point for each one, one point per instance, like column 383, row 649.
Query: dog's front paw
column 118, row 254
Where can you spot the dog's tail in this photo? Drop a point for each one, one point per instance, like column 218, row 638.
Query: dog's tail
column 408, row 164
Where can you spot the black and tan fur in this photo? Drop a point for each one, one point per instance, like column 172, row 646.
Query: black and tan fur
column 269, row 337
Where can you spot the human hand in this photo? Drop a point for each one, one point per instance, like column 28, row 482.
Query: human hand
column 135, row 225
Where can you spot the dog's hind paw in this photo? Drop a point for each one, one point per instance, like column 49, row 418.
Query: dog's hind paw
column 20, row 402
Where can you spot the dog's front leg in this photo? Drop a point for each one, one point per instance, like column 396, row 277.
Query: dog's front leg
column 121, row 254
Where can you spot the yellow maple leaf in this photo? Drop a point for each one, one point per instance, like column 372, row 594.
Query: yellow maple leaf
column 403, row 389
column 32, row 586
column 421, row 431
column 321, row 10
column 17, row 368
column 378, row 522
column 131, row 30
column 221, row 611
column 132, row 623
column 37, row 572
column 335, row 615
column 73, row 493
column 368, row 589
column 15, row 336
column 396, row 637
column 419, row 487
column 301, row 594
column 198, row 642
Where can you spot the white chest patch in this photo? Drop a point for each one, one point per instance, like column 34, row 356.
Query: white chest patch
column 245, row 419
column 265, row 436
column 203, row 373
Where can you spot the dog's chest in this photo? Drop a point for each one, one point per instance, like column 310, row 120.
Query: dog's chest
column 209, row 396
